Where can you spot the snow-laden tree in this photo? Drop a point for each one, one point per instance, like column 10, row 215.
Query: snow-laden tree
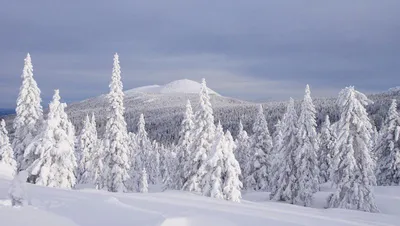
column 153, row 162
column 116, row 140
column 97, row 166
column 388, row 165
column 260, row 158
column 277, row 137
column 352, row 167
column 183, row 148
column 169, row 167
column 17, row 191
column 276, row 158
column 88, row 153
column 231, row 182
column 326, row 150
column 143, row 185
column 6, row 151
column 306, row 153
column 29, row 114
column 242, row 150
column 204, row 131
column 284, row 180
column 52, row 149
column 214, row 167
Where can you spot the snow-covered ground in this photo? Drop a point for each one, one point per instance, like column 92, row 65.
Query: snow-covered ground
column 174, row 208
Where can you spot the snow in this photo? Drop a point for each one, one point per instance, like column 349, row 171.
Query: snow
column 178, row 86
column 52, row 206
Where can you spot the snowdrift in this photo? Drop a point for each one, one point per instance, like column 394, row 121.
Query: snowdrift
column 174, row 208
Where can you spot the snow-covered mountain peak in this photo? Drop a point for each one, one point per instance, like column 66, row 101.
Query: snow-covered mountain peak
column 178, row 86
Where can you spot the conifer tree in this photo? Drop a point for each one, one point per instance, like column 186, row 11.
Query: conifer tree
column 183, row 147
column 6, row 152
column 54, row 162
column 242, row 150
column 213, row 168
column 284, row 180
column 231, row 183
column 326, row 151
column 204, row 130
column 87, row 145
column 97, row 166
column 388, row 165
column 17, row 191
column 306, row 161
column 260, row 159
column 116, row 138
column 143, row 185
column 29, row 114
column 353, row 173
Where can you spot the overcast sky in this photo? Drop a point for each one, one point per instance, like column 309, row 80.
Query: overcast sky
column 254, row 50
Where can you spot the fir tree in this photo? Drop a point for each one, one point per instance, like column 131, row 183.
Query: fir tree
column 6, row 152
column 326, row 151
column 143, row 185
column 212, row 182
column 388, row 167
column 183, row 147
column 306, row 161
column 231, row 173
column 204, row 130
column 352, row 166
column 17, row 191
column 29, row 114
column 87, row 144
column 242, row 150
column 97, row 166
column 53, row 149
column 260, row 158
column 284, row 180
column 116, row 138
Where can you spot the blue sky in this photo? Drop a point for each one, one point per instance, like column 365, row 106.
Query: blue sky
column 254, row 50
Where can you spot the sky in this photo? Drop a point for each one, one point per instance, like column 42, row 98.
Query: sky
column 256, row 50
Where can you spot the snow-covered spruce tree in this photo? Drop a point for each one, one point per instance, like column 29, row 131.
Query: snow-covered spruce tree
column 276, row 155
column 326, row 150
column 260, row 158
column 306, row 161
column 116, row 140
column 242, row 150
column 277, row 137
column 143, row 185
column 170, row 169
column 213, row 168
column 231, row 183
column 352, row 173
column 204, row 130
column 183, row 147
column 153, row 162
column 284, row 180
column 17, row 191
column 388, row 165
column 29, row 114
column 6, row 151
column 97, row 166
column 53, row 149
column 87, row 145
column 142, row 154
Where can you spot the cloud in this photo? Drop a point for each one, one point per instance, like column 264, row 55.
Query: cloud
column 254, row 50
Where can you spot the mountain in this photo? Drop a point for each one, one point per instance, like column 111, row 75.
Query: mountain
column 179, row 86
column 163, row 107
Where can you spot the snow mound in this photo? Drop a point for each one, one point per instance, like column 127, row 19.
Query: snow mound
column 178, row 86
